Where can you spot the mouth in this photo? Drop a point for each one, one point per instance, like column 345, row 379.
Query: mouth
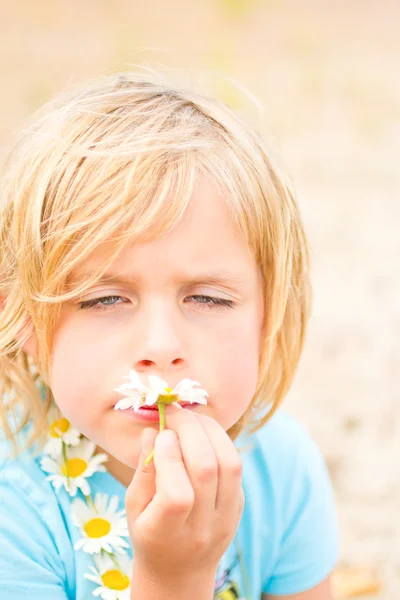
column 155, row 408
column 150, row 414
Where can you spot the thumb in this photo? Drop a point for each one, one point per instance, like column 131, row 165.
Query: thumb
column 143, row 485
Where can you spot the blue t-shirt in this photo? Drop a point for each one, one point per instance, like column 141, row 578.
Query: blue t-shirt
column 287, row 540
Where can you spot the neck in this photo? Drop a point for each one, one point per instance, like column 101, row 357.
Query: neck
column 119, row 470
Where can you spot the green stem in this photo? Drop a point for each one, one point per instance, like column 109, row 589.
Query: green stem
column 91, row 503
column 149, row 458
column 64, row 451
column 161, row 410
column 116, row 563
column 243, row 569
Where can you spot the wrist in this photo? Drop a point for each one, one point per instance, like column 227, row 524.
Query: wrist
column 148, row 586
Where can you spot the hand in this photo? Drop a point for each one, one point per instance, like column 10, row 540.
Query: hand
column 183, row 508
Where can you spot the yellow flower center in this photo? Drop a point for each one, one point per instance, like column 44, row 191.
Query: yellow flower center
column 97, row 528
column 115, row 580
column 167, row 398
column 74, row 467
column 59, row 427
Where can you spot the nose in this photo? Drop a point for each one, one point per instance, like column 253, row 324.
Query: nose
column 159, row 342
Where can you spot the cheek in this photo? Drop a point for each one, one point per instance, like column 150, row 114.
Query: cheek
column 237, row 364
column 78, row 375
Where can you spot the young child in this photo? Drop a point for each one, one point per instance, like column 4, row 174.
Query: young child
column 145, row 229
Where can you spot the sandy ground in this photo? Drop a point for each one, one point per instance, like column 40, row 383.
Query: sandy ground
column 327, row 75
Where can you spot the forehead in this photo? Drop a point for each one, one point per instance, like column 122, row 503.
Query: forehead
column 206, row 239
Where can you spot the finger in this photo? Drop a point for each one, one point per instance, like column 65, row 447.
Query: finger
column 174, row 496
column 143, row 486
column 229, row 497
column 200, row 462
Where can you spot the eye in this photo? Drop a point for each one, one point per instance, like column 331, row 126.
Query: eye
column 107, row 302
column 97, row 303
column 211, row 301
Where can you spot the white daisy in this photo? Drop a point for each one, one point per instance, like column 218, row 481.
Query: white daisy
column 114, row 581
column 102, row 527
column 139, row 395
column 60, row 431
column 73, row 473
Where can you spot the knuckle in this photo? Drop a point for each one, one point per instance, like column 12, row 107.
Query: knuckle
column 201, row 542
column 207, row 472
column 224, row 536
column 235, row 468
column 175, row 504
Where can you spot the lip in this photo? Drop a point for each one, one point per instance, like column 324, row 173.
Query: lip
column 149, row 415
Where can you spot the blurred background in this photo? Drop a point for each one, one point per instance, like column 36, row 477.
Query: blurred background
column 326, row 75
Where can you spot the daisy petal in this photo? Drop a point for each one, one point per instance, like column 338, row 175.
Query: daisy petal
column 94, row 578
column 84, row 486
column 135, row 379
column 151, row 398
column 125, row 403
column 185, row 384
column 157, row 384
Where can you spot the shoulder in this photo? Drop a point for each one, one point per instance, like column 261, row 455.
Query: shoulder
column 24, row 484
column 284, row 466
column 284, row 446
column 284, row 429
column 22, row 474
column 285, row 469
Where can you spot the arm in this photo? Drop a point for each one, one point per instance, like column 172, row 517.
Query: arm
column 321, row 591
column 199, row 586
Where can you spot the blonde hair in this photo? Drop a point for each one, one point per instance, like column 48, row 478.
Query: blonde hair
column 117, row 160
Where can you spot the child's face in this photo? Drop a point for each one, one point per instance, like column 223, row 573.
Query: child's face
column 162, row 325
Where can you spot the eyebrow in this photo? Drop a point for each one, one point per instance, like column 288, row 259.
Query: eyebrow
column 219, row 277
